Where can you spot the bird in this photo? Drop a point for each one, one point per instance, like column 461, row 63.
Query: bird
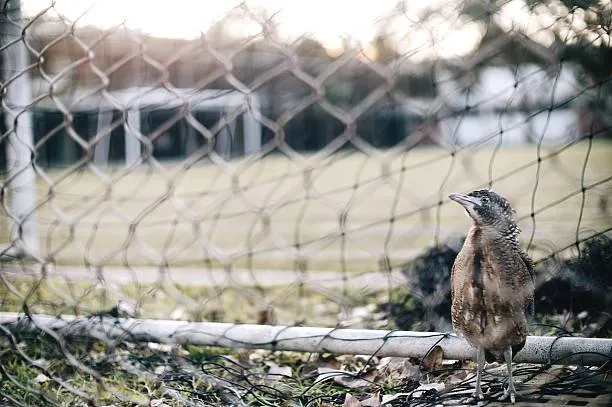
column 492, row 284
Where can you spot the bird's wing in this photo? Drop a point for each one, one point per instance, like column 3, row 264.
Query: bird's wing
column 461, row 272
column 529, row 305
column 515, row 275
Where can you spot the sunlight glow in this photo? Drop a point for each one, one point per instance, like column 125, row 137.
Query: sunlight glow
column 329, row 22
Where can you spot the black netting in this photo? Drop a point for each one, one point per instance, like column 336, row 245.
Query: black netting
column 240, row 168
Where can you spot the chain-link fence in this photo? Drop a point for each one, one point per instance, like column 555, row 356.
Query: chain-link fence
column 238, row 216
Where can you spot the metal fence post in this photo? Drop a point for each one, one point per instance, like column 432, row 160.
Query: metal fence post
column 21, row 181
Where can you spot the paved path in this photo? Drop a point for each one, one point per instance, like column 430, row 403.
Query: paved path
column 213, row 277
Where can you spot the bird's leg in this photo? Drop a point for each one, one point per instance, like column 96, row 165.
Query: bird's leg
column 480, row 361
column 510, row 391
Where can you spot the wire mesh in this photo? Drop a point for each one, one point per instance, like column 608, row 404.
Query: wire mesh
column 243, row 167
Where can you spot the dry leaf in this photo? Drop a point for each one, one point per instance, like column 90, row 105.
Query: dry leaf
column 266, row 316
column 555, row 373
column 398, row 368
column 433, row 360
column 352, row 383
column 276, row 372
column 388, row 398
column 351, row 401
column 373, row 401
column 457, row 376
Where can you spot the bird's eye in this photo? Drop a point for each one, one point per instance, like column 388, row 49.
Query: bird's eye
column 485, row 200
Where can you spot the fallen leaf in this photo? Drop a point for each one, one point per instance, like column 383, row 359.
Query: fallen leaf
column 457, row 376
column 373, row 401
column 433, row 360
column 387, row 398
column 554, row 374
column 398, row 368
column 352, row 383
column 276, row 372
column 266, row 316
column 351, row 401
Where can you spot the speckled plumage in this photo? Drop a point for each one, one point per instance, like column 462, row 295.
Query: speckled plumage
column 492, row 282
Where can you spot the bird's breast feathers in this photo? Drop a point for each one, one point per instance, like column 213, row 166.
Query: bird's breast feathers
column 490, row 291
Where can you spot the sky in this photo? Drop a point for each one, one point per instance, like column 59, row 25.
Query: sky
column 187, row 18
column 328, row 21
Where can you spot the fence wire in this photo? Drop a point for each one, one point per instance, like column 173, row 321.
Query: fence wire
column 264, row 172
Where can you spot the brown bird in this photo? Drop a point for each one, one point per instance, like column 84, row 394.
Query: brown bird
column 492, row 284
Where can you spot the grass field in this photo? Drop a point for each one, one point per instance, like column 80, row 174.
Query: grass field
column 342, row 212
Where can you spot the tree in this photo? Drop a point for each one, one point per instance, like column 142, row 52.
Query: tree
column 581, row 31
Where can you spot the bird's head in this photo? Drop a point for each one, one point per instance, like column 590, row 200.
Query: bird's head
column 487, row 208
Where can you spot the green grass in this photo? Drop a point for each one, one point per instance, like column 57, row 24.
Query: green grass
column 255, row 214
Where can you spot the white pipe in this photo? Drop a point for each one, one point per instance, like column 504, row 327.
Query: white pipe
column 251, row 129
column 225, row 138
column 102, row 149
column 132, row 134
column 22, row 177
column 538, row 349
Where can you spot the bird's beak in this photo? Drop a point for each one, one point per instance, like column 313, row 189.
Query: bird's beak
column 465, row 200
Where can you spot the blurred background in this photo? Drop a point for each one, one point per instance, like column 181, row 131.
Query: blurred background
column 289, row 162
column 267, row 144
column 451, row 75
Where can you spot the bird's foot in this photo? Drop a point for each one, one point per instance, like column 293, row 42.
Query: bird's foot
column 478, row 395
column 474, row 398
column 510, row 393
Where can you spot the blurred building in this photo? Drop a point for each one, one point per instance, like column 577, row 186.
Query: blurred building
column 498, row 93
